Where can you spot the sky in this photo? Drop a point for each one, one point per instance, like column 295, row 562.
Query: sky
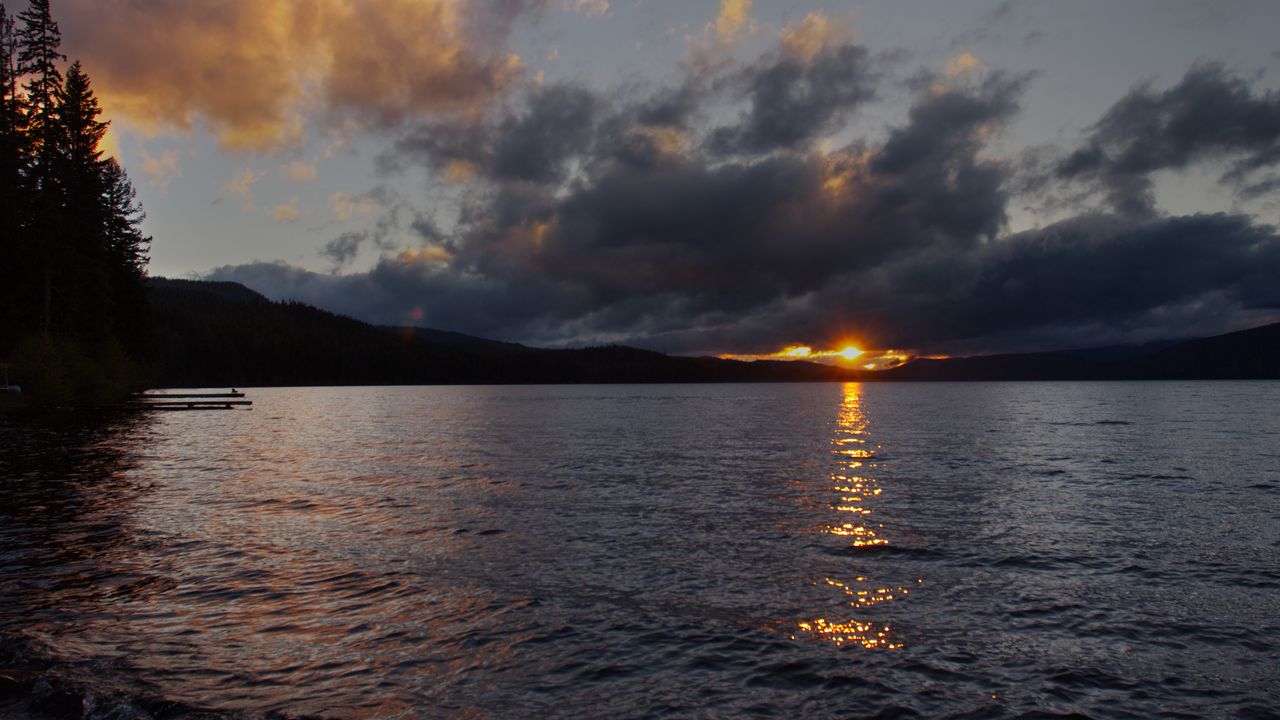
column 704, row 177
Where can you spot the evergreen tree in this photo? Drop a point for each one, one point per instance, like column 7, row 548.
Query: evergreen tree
column 16, row 291
column 77, row 163
column 39, row 41
column 127, row 257
column 76, row 317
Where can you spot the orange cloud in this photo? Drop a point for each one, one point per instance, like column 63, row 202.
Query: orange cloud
column 732, row 18
column 287, row 212
column 299, row 171
column 161, row 170
column 808, row 37
column 963, row 63
column 345, row 206
column 257, row 72
column 242, row 185
column 430, row 255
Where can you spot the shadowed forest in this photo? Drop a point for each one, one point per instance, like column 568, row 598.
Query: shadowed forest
column 75, row 325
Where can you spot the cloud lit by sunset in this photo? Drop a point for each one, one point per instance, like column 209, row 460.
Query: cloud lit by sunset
column 844, row 355
column 704, row 178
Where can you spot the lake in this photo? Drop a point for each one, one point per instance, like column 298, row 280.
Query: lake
column 820, row 550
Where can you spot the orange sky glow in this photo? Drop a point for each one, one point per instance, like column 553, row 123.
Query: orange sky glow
column 845, row 354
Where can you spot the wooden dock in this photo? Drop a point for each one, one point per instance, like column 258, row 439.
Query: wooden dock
column 191, row 401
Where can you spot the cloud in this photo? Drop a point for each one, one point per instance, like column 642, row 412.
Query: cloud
column 531, row 145
column 258, row 72
column 287, row 212
column 790, row 98
column 714, row 46
column 815, row 33
column 962, row 63
column 300, row 172
column 344, row 206
column 162, row 170
column 588, row 216
column 1209, row 117
column 734, row 16
column 592, row 8
column 241, row 185
column 399, row 223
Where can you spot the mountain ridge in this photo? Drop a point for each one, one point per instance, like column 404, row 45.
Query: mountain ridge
column 223, row 333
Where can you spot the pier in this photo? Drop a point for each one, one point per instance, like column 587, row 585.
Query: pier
column 191, row 401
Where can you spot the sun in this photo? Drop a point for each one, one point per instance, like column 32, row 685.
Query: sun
column 850, row 352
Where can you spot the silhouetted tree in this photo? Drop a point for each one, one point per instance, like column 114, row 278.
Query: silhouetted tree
column 15, row 286
column 127, row 253
column 85, row 295
column 39, row 41
column 74, row 259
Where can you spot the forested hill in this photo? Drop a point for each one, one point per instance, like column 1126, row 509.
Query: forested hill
column 223, row 334
column 1252, row 354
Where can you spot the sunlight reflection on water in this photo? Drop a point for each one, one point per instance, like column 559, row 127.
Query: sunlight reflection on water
column 632, row 550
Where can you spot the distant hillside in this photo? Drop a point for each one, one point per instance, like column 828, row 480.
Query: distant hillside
column 225, row 290
column 1247, row 354
column 454, row 339
column 223, row 334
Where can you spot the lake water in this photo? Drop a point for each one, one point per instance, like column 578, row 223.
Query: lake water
column 824, row 550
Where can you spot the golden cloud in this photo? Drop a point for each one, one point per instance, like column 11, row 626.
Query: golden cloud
column 242, row 185
column 733, row 16
column 161, row 170
column 255, row 72
column 287, row 212
column 299, row 171
column 816, row 32
column 430, row 255
column 963, row 63
column 344, row 206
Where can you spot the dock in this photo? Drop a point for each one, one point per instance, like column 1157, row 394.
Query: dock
column 191, row 401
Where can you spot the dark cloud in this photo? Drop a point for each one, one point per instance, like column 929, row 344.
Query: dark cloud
column 1209, row 116
column 397, row 220
column 342, row 249
column 655, row 240
column 531, row 144
column 791, row 99
column 1110, row 273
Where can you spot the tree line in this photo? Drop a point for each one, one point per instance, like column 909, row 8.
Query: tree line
column 74, row 316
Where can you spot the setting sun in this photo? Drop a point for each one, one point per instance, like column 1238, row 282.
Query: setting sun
column 849, row 353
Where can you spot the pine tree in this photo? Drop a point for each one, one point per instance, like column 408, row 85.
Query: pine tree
column 126, row 244
column 38, row 57
column 127, row 256
column 39, row 41
column 75, row 318
column 83, row 218
column 15, row 287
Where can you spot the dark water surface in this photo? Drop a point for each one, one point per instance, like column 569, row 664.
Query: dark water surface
column 944, row 550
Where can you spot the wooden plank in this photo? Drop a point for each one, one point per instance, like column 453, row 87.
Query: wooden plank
column 194, row 403
column 165, row 396
column 193, row 407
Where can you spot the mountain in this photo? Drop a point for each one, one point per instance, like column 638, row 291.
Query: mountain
column 454, row 339
column 224, row 334
column 1246, row 354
